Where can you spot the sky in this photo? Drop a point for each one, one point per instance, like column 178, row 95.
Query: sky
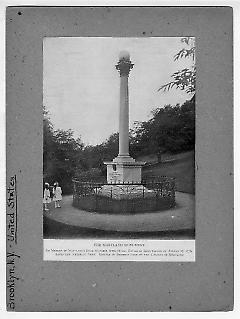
column 81, row 84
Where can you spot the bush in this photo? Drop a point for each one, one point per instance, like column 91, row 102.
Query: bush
column 91, row 175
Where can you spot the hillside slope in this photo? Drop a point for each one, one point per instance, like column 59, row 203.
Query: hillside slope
column 181, row 167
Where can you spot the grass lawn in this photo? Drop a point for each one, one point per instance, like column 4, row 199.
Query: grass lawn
column 182, row 169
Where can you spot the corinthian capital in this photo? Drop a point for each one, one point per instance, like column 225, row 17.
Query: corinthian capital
column 124, row 64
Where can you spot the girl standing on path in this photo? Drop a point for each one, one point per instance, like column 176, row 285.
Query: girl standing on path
column 57, row 195
column 46, row 197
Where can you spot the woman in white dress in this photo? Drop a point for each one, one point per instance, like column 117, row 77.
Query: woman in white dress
column 57, row 195
column 46, row 197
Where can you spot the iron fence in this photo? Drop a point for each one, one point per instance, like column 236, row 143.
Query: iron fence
column 154, row 194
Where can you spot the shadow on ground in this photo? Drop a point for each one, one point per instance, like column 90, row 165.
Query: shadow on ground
column 56, row 230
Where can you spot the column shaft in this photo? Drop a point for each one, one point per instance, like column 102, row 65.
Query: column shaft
column 124, row 117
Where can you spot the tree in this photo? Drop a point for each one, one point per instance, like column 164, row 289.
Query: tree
column 48, row 143
column 171, row 129
column 62, row 154
column 184, row 79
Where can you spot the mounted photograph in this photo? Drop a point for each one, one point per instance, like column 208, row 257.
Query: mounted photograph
column 119, row 148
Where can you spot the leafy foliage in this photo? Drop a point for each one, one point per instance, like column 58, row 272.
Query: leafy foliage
column 184, row 79
column 60, row 154
column 90, row 175
column 171, row 129
column 187, row 52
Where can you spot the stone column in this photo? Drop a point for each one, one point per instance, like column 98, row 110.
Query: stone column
column 124, row 66
column 124, row 168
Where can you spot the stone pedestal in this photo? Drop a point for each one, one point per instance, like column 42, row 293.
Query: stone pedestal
column 127, row 192
column 124, row 169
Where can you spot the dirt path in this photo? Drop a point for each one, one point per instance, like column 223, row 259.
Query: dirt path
column 180, row 218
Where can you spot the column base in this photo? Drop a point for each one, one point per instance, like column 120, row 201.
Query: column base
column 124, row 159
column 124, row 169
